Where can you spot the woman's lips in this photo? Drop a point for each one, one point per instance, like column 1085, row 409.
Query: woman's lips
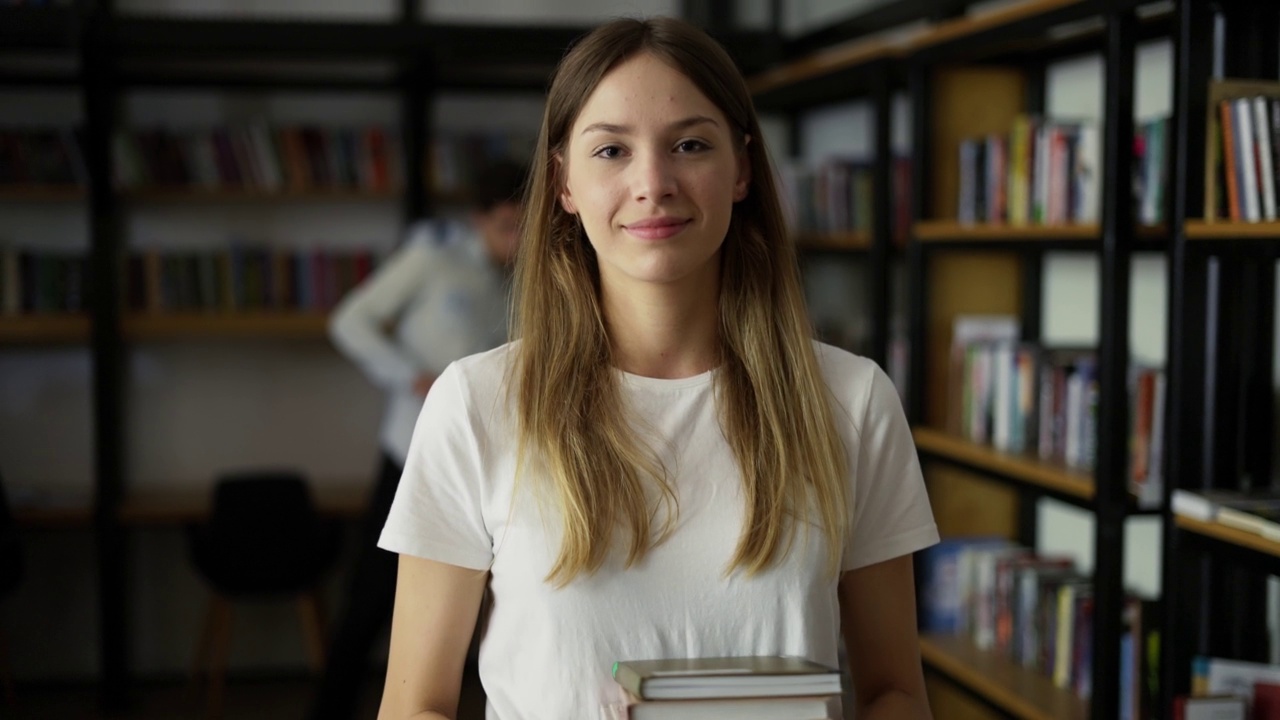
column 656, row 229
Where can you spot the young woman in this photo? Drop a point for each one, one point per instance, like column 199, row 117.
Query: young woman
column 664, row 464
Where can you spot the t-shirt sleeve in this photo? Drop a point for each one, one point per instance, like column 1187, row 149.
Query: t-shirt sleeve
column 891, row 513
column 438, row 513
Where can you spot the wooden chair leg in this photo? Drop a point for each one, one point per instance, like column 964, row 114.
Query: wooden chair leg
column 220, row 653
column 6, row 677
column 311, row 616
column 200, row 661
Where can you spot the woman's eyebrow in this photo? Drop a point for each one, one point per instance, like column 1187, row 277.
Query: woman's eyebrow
column 616, row 129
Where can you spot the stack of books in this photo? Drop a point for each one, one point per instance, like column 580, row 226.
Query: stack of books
column 737, row 688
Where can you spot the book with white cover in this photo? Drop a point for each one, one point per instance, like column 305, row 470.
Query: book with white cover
column 772, row 708
column 733, row 677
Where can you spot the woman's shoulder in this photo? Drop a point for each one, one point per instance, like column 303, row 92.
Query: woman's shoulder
column 484, row 372
column 855, row 381
column 839, row 366
column 480, row 381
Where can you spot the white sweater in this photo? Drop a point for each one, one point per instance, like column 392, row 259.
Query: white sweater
column 437, row 299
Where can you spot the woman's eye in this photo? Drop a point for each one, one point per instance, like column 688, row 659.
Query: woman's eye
column 609, row 152
column 691, row 146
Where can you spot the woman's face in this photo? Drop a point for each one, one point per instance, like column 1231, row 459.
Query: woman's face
column 652, row 170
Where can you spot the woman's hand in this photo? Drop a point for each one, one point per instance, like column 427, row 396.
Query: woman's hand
column 422, row 384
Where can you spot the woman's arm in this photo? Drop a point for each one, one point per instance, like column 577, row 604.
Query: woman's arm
column 435, row 614
column 878, row 619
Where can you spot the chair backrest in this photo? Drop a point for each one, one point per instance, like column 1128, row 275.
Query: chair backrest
column 262, row 507
column 263, row 536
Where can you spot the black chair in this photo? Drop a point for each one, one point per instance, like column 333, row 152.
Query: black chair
column 263, row 539
column 11, row 567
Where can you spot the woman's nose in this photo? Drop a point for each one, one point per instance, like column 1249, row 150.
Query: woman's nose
column 654, row 177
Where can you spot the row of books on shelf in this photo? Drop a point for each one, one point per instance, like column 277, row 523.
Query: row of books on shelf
column 1048, row 172
column 730, row 688
column 837, row 196
column 454, row 160
column 41, row 282
column 1255, row 510
column 255, row 156
column 1036, row 611
column 244, row 278
column 1225, row 689
column 236, row 278
column 44, row 156
column 1247, row 163
column 1024, row 398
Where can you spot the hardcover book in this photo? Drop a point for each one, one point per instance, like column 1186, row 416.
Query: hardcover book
column 734, row 677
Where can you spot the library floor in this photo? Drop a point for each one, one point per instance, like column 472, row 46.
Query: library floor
column 285, row 699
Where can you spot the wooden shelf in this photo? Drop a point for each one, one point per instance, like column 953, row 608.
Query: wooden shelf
column 41, row 193
column 152, row 508
column 952, row 231
column 345, row 499
column 1228, row 230
column 980, row 22
column 1234, row 536
column 43, row 329
column 852, row 240
column 199, row 196
column 1023, row 468
column 52, row 517
column 823, row 63
column 249, row 325
column 1021, row 692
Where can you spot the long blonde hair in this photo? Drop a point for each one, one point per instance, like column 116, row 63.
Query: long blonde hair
column 773, row 404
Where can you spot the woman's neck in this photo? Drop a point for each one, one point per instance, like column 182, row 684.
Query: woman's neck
column 664, row 331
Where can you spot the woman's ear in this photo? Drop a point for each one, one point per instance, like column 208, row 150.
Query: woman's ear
column 565, row 197
column 744, row 172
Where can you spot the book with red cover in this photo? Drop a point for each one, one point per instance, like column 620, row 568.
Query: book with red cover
column 1266, row 701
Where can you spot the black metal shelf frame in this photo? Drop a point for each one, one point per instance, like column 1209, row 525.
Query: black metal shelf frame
column 1219, row 415
column 36, row 28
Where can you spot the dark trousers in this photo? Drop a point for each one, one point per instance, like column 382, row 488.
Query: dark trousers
column 370, row 597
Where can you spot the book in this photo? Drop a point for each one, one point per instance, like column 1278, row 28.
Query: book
column 1256, row 511
column 772, row 708
column 943, row 586
column 1266, row 701
column 1236, row 678
column 1208, row 708
column 1259, row 515
column 730, row 677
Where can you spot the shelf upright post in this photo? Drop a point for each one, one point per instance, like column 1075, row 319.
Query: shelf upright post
column 878, row 295
column 920, row 87
column 1185, row 370
column 106, row 264
column 1110, row 478
column 415, row 119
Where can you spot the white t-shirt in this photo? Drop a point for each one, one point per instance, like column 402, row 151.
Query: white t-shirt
column 547, row 652
column 446, row 300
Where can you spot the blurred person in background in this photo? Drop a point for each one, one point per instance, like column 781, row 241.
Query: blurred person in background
column 440, row 297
